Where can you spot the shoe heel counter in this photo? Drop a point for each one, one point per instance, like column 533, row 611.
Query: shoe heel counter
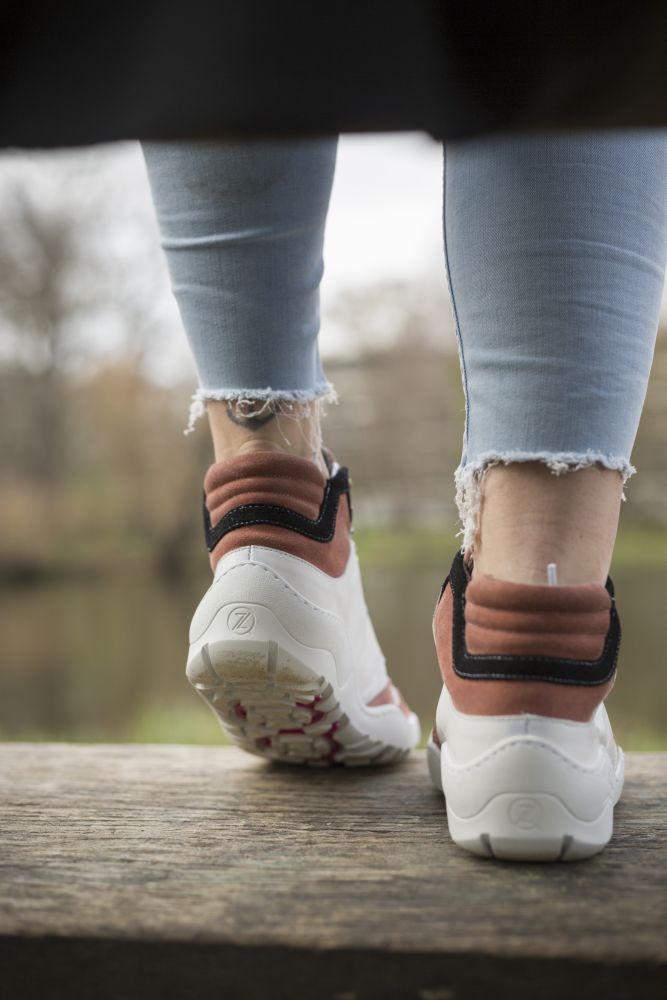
column 279, row 502
column 330, row 557
column 487, row 694
column 250, row 603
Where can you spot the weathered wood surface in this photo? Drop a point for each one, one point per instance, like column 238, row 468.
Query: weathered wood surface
column 141, row 871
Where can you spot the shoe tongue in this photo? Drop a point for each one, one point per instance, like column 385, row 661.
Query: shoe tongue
column 265, row 465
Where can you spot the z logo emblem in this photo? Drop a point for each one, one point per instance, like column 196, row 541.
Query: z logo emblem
column 241, row 621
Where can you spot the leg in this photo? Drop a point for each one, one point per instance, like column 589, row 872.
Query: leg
column 556, row 249
column 243, row 226
column 530, row 518
column 281, row 644
column 556, row 252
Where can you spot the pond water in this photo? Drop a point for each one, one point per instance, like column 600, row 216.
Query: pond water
column 104, row 661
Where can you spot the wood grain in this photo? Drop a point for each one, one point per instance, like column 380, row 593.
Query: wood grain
column 167, row 870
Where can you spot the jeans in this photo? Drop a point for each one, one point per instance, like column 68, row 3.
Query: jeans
column 555, row 252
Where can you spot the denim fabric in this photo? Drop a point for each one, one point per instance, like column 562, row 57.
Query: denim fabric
column 242, row 225
column 555, row 247
column 556, row 252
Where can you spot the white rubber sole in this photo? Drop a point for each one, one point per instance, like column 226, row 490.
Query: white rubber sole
column 544, row 791
column 279, row 673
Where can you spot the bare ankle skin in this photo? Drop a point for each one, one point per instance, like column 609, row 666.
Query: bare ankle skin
column 530, row 517
column 239, row 427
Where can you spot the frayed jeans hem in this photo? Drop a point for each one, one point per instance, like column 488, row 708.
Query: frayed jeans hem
column 468, row 479
column 297, row 401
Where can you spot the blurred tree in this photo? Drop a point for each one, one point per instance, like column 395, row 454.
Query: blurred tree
column 74, row 282
column 401, row 420
column 39, row 253
column 95, row 470
column 79, row 273
column 647, row 490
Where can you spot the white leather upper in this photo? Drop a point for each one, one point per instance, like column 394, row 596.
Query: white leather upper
column 341, row 597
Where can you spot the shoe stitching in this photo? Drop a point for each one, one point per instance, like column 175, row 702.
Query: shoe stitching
column 291, row 590
column 298, row 559
column 536, row 745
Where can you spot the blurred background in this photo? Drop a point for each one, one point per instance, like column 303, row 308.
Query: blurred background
column 102, row 559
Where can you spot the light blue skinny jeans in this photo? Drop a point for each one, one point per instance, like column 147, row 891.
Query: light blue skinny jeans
column 555, row 251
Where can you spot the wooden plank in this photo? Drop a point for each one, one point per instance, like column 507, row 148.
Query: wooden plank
column 161, row 869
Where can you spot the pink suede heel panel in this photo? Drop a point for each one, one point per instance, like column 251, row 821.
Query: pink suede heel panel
column 490, row 697
column 569, row 622
column 491, row 592
column 390, row 695
column 283, row 481
column 519, row 619
column 546, row 643
column 303, row 497
column 265, row 465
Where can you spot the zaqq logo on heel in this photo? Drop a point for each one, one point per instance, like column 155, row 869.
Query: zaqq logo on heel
column 240, row 621
column 526, row 814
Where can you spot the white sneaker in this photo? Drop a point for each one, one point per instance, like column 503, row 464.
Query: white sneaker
column 522, row 746
column 281, row 645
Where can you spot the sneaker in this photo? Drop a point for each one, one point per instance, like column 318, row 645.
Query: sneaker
column 522, row 747
column 281, row 645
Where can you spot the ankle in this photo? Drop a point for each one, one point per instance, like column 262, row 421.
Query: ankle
column 531, row 519
column 243, row 427
column 551, row 567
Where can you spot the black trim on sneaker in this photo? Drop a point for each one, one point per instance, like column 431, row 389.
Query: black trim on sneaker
column 322, row 529
column 509, row 667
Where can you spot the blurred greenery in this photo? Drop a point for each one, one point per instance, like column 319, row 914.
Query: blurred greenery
column 102, row 660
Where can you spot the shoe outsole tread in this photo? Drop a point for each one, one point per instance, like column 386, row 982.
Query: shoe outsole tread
column 277, row 708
